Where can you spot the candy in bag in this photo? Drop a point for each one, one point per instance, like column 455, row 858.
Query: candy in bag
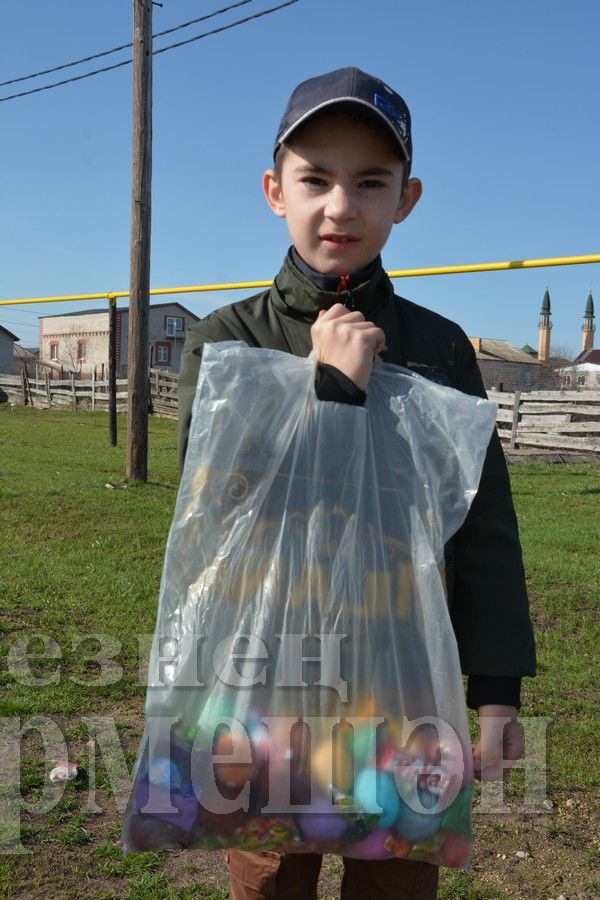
column 304, row 690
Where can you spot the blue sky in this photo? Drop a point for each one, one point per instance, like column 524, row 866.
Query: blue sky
column 504, row 99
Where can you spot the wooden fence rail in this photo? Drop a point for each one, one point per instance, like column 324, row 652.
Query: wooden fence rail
column 88, row 393
column 556, row 420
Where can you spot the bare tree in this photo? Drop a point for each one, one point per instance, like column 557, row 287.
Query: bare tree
column 69, row 353
column 559, row 354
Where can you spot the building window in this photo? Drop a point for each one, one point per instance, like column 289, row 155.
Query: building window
column 162, row 353
column 566, row 380
column 173, row 324
column 581, row 380
column 81, row 351
column 54, row 351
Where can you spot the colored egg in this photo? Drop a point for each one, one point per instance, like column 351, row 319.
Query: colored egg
column 259, row 740
column 458, row 764
column 322, row 823
column 189, row 733
column 242, row 767
column 164, row 773
column 281, row 782
column 331, row 764
column 370, row 847
column 398, row 846
column 148, row 833
column 455, row 851
column 424, row 743
column 221, row 822
column 287, row 739
column 418, row 826
column 386, row 753
column 367, row 708
column 375, row 792
column 362, row 745
column 390, row 757
column 213, row 712
column 186, row 811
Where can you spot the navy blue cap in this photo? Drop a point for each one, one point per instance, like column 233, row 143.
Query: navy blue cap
column 348, row 86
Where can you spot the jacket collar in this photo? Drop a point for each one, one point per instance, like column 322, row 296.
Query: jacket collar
column 295, row 293
column 331, row 283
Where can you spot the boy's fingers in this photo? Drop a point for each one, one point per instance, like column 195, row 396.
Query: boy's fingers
column 338, row 311
column 333, row 312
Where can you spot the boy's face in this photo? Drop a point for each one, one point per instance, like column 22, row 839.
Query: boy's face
column 340, row 192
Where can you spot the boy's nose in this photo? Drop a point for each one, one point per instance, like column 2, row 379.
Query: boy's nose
column 340, row 204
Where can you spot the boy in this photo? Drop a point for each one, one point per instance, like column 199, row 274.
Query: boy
column 341, row 180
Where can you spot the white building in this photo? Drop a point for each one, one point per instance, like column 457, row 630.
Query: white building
column 78, row 341
column 584, row 372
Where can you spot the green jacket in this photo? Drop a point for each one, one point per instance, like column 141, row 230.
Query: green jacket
column 486, row 582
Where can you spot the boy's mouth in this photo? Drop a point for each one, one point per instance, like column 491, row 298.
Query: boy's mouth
column 339, row 238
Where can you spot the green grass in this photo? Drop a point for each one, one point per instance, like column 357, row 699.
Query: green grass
column 461, row 886
column 559, row 518
column 84, row 559
column 80, row 558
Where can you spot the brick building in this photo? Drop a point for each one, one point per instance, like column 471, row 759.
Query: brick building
column 507, row 368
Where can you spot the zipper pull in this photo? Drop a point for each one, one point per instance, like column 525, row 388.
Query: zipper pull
column 343, row 288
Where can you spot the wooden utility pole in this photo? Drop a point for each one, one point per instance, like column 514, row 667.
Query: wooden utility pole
column 139, row 281
column 112, row 372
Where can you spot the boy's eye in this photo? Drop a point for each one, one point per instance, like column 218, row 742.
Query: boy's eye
column 313, row 180
column 372, row 183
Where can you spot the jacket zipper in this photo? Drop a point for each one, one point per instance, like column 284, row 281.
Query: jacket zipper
column 343, row 288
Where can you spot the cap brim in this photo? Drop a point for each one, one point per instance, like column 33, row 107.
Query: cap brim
column 347, row 101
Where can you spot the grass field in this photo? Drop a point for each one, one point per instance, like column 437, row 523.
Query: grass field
column 82, row 554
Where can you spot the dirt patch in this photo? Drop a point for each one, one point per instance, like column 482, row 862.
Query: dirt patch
column 522, row 856
column 524, row 455
column 542, row 856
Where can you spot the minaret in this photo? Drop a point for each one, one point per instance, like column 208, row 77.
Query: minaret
column 587, row 332
column 544, row 329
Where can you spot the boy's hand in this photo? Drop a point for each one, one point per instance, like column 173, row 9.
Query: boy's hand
column 342, row 338
column 500, row 745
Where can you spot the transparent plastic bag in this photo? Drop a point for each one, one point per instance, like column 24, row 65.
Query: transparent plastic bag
column 305, row 691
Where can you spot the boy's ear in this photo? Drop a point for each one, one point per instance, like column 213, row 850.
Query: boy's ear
column 273, row 195
column 409, row 199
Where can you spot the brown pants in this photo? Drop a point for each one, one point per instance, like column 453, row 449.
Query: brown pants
column 294, row 876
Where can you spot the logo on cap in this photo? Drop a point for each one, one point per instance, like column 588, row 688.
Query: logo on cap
column 390, row 111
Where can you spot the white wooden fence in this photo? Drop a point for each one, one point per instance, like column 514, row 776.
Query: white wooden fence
column 556, row 420
column 88, row 393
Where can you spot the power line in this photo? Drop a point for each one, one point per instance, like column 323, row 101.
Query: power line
column 18, row 322
column 7, row 320
column 83, row 59
column 27, row 311
column 127, row 62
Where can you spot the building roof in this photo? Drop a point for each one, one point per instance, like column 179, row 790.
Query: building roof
column 545, row 310
column 8, row 333
column 25, row 352
column 588, row 356
column 589, row 307
column 531, row 351
column 104, row 309
column 582, row 367
column 558, row 362
column 496, row 350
